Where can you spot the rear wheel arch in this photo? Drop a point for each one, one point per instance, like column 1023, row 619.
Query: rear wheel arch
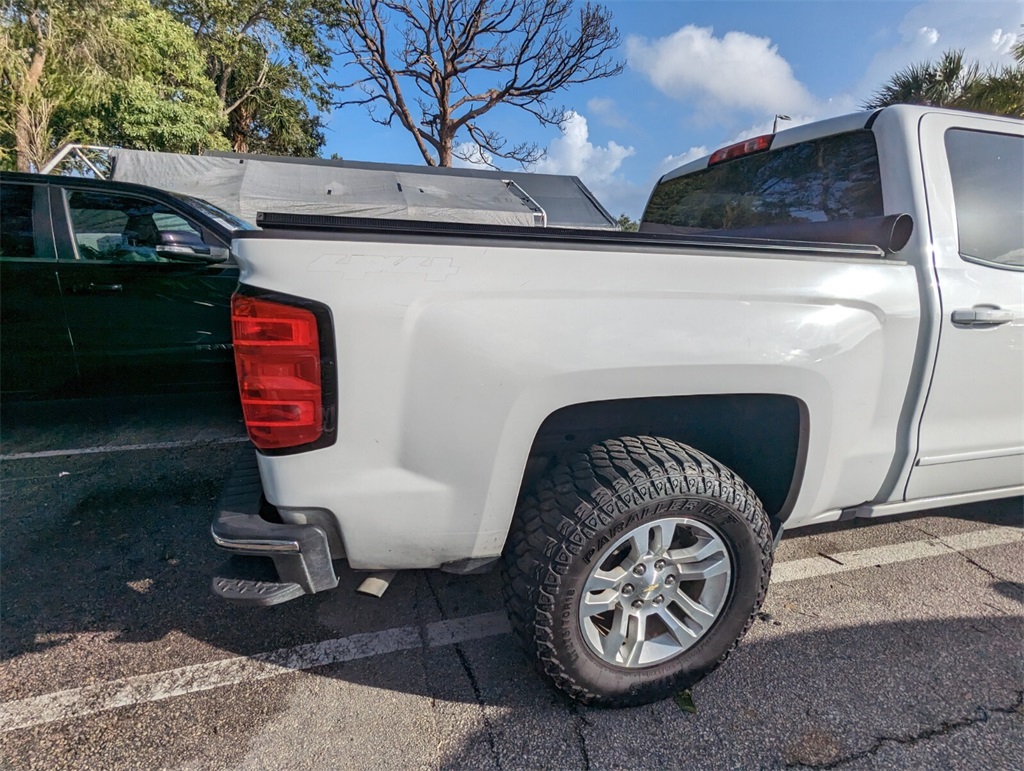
column 762, row 437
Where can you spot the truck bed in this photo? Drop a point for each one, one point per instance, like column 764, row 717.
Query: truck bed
column 869, row 239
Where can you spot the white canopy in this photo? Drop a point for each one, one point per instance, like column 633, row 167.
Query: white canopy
column 246, row 184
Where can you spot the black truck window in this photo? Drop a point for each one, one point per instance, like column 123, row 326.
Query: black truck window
column 122, row 228
column 825, row 180
column 16, row 235
column 987, row 171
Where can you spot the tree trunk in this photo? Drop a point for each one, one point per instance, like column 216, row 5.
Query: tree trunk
column 22, row 138
column 239, row 142
column 447, row 142
column 31, row 125
column 240, row 128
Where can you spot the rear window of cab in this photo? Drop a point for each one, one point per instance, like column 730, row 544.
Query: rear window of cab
column 824, row 180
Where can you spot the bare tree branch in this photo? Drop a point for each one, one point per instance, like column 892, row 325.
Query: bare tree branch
column 467, row 57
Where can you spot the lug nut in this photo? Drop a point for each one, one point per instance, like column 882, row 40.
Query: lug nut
column 669, row 580
column 627, row 589
column 637, row 604
column 639, row 570
column 659, row 564
column 659, row 599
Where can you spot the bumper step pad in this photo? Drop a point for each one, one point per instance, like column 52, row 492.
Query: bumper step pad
column 242, row 591
column 274, row 562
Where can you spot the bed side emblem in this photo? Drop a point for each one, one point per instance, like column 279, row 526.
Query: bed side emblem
column 358, row 266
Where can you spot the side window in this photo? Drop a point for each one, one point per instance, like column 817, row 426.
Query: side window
column 16, row 233
column 121, row 228
column 988, row 192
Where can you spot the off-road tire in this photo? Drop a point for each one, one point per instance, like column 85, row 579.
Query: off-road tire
column 581, row 506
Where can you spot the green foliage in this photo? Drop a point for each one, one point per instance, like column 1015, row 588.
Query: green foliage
column 268, row 61
column 161, row 98
column 628, row 224
column 275, row 117
column 684, row 700
column 101, row 72
column 172, row 75
column 953, row 81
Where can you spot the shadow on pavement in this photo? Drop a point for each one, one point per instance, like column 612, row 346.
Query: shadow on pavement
column 874, row 693
column 116, row 546
column 1013, row 590
column 120, row 546
column 29, row 426
column 1005, row 511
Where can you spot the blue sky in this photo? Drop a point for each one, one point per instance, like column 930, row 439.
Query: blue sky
column 701, row 73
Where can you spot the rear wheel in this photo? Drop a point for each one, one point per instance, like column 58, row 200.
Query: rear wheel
column 632, row 572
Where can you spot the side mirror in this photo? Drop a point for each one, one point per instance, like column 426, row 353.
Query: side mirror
column 186, row 246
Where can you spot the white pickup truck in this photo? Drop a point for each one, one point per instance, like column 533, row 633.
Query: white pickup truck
column 816, row 325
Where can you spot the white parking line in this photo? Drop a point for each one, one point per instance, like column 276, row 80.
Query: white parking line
column 124, row 448
column 812, row 567
column 140, row 689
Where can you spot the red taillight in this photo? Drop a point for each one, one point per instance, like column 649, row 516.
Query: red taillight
column 755, row 145
column 277, row 358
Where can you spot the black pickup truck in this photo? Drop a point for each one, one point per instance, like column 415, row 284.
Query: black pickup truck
column 109, row 287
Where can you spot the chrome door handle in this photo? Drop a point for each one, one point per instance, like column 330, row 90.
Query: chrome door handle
column 981, row 316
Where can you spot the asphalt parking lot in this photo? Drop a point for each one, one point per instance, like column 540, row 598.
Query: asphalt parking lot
column 895, row 644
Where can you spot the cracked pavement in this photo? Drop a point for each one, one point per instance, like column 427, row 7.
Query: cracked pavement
column 981, row 715
column 916, row 664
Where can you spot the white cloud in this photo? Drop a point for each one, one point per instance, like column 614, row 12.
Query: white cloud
column 985, row 31
column 573, row 153
column 928, row 35
column 736, row 78
column 670, row 162
column 737, row 71
column 1002, row 42
column 598, row 166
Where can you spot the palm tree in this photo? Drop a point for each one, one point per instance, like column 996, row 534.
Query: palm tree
column 1003, row 91
column 955, row 82
column 942, row 84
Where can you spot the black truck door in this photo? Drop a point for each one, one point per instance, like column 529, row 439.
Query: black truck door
column 36, row 355
column 143, row 311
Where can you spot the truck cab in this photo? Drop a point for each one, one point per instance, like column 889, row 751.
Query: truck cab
column 957, row 176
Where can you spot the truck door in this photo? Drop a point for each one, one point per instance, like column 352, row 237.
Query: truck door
column 141, row 316
column 35, row 347
column 971, row 436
